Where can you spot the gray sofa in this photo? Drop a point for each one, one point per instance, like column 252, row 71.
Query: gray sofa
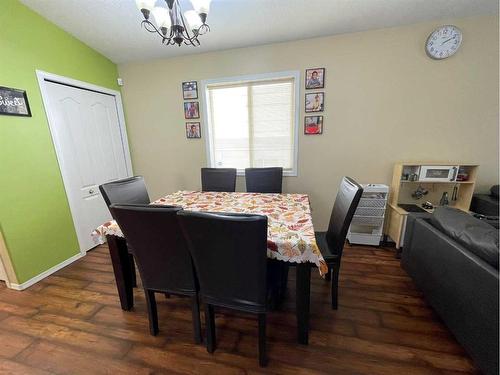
column 486, row 204
column 453, row 259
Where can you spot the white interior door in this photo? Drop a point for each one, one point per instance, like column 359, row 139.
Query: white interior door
column 90, row 148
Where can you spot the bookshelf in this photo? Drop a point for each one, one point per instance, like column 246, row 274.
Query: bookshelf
column 410, row 176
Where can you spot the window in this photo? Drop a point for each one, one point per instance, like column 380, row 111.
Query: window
column 252, row 121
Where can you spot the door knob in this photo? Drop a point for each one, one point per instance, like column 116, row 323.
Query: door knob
column 91, row 191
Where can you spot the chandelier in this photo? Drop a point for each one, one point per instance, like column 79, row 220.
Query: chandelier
column 172, row 25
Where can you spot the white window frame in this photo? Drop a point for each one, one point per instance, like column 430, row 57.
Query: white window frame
column 245, row 78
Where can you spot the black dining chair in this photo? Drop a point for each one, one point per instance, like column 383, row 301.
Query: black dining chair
column 264, row 180
column 269, row 180
column 331, row 242
column 218, row 179
column 131, row 190
column 229, row 252
column 161, row 254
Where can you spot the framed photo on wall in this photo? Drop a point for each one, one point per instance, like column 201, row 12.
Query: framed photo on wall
column 315, row 102
column 313, row 125
column 190, row 90
column 14, row 102
column 193, row 130
column 191, row 110
column 315, row 78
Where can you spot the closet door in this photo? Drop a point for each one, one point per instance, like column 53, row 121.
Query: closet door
column 91, row 151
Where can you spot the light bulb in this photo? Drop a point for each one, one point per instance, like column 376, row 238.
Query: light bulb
column 193, row 19
column 201, row 6
column 145, row 4
column 161, row 16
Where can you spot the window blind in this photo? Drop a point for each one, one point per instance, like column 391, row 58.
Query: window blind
column 252, row 123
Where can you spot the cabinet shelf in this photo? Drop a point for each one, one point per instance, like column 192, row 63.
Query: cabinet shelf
column 435, row 182
column 404, row 192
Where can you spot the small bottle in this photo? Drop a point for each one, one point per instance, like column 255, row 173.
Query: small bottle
column 444, row 199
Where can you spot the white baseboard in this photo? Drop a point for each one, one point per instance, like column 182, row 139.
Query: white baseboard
column 44, row 274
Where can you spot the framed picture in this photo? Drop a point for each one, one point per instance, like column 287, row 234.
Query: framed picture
column 193, row 130
column 315, row 78
column 14, row 102
column 315, row 102
column 313, row 125
column 190, row 90
column 191, row 110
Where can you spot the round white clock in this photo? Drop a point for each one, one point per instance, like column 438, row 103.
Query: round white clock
column 443, row 42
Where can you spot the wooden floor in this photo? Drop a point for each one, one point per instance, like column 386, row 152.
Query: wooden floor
column 71, row 323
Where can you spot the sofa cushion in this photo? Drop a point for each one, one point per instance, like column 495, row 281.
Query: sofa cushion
column 478, row 237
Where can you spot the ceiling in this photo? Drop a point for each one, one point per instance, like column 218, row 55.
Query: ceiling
column 112, row 27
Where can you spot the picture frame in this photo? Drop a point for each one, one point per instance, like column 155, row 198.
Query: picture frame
column 193, row 130
column 313, row 125
column 315, row 78
column 191, row 110
column 314, row 102
column 190, row 90
column 14, row 102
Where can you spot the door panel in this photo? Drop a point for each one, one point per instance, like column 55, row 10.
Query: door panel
column 90, row 149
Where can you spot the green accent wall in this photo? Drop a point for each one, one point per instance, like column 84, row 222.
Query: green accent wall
column 34, row 213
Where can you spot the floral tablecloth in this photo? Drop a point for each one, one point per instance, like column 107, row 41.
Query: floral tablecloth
column 290, row 234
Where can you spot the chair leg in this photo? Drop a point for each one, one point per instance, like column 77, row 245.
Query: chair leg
column 132, row 269
column 195, row 310
column 335, row 285
column 152, row 312
column 262, row 340
column 284, row 281
column 210, row 326
column 328, row 275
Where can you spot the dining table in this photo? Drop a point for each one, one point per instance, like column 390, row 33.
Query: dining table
column 290, row 239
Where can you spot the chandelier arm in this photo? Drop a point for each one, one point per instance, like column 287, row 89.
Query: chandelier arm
column 147, row 24
column 165, row 39
column 203, row 29
column 187, row 36
column 189, row 40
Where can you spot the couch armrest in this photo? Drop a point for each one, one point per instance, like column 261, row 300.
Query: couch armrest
column 461, row 287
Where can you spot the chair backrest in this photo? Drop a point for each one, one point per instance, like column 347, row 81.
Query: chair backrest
column 130, row 190
column 264, row 180
column 229, row 252
column 345, row 205
column 158, row 246
column 218, row 179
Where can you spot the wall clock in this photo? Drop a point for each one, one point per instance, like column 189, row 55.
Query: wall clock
column 443, row 42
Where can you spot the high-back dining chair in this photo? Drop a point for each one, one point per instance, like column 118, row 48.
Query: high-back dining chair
column 229, row 252
column 264, row 180
column 131, row 190
column 161, row 254
column 218, row 179
column 331, row 242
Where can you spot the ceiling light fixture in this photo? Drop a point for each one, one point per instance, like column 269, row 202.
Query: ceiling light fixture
column 172, row 25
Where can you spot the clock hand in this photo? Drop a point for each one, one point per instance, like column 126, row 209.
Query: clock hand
column 447, row 40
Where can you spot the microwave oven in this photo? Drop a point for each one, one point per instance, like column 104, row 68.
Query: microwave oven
column 438, row 173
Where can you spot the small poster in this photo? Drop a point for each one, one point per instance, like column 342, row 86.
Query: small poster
column 14, row 102
column 190, row 90
column 191, row 110
column 193, row 130
column 313, row 125
column 315, row 102
column 315, row 78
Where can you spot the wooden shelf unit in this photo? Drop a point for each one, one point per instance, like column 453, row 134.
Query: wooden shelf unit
column 400, row 193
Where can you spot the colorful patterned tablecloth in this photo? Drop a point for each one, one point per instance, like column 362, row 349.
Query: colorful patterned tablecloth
column 290, row 234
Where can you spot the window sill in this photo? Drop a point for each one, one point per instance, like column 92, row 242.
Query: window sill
column 241, row 173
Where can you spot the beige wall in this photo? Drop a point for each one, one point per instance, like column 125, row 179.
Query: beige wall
column 385, row 101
